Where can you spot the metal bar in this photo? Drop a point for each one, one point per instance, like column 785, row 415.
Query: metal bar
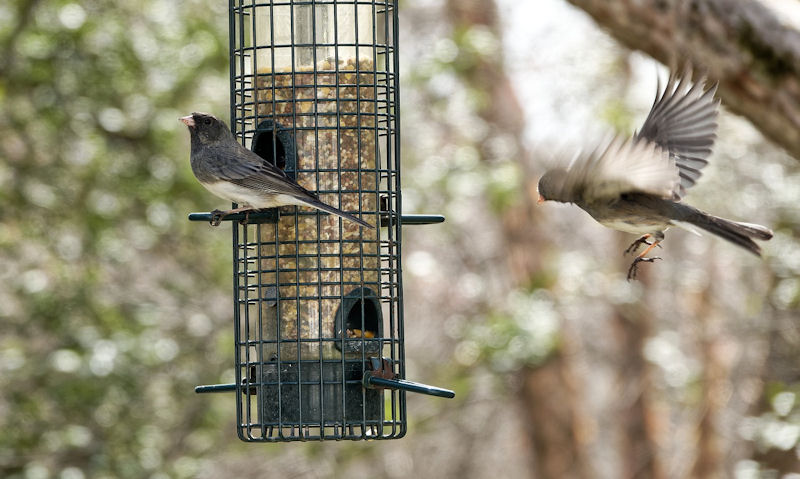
column 270, row 215
column 376, row 131
column 418, row 219
column 298, row 326
column 215, row 388
column 338, row 182
column 236, row 319
column 411, row 386
column 399, row 403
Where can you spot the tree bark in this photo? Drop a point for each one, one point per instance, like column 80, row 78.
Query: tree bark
column 709, row 461
column 548, row 395
column 638, row 419
column 740, row 43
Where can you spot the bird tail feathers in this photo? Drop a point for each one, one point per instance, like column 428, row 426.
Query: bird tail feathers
column 313, row 202
column 740, row 234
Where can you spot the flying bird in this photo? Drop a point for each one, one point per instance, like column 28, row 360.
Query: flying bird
column 232, row 172
column 636, row 184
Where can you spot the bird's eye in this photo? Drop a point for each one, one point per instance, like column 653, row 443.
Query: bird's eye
column 207, row 121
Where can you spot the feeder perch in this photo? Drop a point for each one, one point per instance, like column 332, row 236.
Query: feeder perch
column 318, row 300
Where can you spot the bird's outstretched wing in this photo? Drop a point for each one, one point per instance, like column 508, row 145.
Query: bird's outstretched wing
column 622, row 166
column 683, row 121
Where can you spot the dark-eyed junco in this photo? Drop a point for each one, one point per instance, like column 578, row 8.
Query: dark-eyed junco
column 636, row 184
column 234, row 173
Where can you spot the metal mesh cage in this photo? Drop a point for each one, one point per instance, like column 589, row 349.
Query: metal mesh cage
column 313, row 89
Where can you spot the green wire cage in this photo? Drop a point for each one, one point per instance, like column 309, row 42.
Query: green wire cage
column 319, row 301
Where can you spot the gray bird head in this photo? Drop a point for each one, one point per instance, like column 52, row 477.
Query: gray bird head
column 206, row 128
column 551, row 186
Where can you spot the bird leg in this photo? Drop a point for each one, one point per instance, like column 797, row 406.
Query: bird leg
column 642, row 240
column 641, row 258
column 246, row 218
column 218, row 215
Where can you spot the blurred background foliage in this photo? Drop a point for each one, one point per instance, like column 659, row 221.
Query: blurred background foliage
column 113, row 306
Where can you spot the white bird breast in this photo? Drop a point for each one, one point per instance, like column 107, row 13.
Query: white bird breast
column 248, row 197
column 621, row 225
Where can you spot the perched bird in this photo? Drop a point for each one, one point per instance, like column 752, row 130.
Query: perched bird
column 636, row 184
column 234, row 173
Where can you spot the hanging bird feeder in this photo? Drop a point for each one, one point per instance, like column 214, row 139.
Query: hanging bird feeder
column 318, row 301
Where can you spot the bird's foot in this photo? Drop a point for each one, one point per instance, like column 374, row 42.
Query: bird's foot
column 635, row 265
column 246, row 218
column 635, row 245
column 217, row 216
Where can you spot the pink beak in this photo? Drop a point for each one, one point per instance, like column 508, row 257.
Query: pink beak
column 540, row 200
column 187, row 120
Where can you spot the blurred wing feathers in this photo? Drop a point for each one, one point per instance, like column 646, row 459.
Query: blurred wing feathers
column 623, row 166
column 683, row 120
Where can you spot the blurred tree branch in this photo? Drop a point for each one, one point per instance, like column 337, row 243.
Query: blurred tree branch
column 740, row 43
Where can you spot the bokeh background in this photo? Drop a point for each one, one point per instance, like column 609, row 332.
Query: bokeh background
column 113, row 306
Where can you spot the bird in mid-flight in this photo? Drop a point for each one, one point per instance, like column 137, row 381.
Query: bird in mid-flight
column 636, row 184
column 231, row 171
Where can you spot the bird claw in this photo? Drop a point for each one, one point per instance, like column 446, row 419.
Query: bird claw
column 216, row 217
column 635, row 245
column 634, row 266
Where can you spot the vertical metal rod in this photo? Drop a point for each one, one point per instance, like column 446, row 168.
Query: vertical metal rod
column 278, row 312
column 337, row 88
column 238, row 126
column 278, row 336
column 316, row 167
column 357, row 62
column 393, row 193
column 259, row 303
column 315, row 69
column 247, row 318
column 398, row 227
column 377, row 186
column 236, row 322
column 260, row 346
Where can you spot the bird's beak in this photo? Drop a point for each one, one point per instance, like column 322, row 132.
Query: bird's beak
column 187, row 120
column 541, row 200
